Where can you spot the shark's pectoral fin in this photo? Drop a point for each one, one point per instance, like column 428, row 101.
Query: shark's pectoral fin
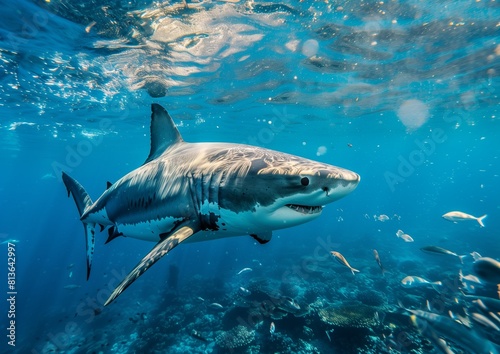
column 161, row 249
column 262, row 238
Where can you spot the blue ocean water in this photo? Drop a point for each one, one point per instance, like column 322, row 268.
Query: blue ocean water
column 403, row 93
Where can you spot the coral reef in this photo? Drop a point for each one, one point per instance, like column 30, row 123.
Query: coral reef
column 371, row 298
column 237, row 337
column 350, row 315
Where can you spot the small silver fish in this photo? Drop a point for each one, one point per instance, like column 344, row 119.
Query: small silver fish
column 484, row 321
column 381, row 217
column 377, row 258
column 448, row 328
column 414, row 281
column 403, row 236
column 245, row 270
column 72, row 286
column 328, row 334
column 475, row 255
column 456, row 216
column 216, row 306
column 257, row 261
column 9, row 241
column 272, row 328
column 292, row 303
column 341, row 259
column 440, row 250
column 244, row 292
column 469, row 278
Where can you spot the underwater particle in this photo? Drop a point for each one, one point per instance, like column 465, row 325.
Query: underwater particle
column 413, row 113
column 310, row 48
column 321, row 150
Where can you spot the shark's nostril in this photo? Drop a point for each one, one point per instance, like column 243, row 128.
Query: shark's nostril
column 326, row 190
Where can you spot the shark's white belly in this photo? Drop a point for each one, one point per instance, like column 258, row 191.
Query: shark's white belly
column 229, row 224
column 149, row 230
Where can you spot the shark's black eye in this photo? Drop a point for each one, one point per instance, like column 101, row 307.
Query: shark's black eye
column 304, row 181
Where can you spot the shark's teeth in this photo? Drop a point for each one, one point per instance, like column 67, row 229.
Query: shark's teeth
column 305, row 209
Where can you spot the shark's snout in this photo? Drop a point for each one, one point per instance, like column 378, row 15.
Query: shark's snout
column 339, row 183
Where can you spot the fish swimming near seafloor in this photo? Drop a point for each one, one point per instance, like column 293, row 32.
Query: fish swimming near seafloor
column 216, row 306
column 245, row 292
column 379, row 262
column 456, row 216
column 188, row 192
column 405, row 237
column 272, row 328
column 341, row 259
column 442, row 251
column 412, row 281
column 469, row 282
column 442, row 326
column 291, row 303
column 197, row 335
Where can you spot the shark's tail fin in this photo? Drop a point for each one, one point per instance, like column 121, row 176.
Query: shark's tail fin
column 82, row 201
column 480, row 220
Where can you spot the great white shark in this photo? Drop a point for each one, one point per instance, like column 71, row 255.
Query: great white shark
column 190, row 192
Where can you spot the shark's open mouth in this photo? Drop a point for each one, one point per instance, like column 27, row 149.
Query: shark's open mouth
column 305, row 209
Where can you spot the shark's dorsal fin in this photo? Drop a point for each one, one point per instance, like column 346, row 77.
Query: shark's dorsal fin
column 108, row 185
column 164, row 133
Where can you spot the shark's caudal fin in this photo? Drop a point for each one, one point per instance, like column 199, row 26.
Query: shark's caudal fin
column 480, row 220
column 161, row 249
column 82, row 201
column 164, row 133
